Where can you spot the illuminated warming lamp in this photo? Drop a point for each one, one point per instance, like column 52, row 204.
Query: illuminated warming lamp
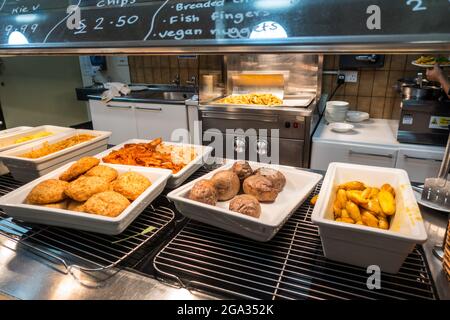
column 268, row 30
column 16, row 38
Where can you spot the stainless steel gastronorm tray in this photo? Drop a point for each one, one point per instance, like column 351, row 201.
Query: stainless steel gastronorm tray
column 86, row 251
column 291, row 266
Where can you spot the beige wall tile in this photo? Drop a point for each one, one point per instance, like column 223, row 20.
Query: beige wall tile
column 364, row 104
column 388, row 106
column 377, row 107
column 366, row 83
column 394, row 76
column 351, row 89
column 380, row 82
column 328, row 62
column 398, row 62
column 352, row 100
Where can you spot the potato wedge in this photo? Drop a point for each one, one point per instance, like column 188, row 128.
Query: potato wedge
column 314, row 200
column 372, row 205
column 347, row 220
column 353, row 211
column 344, row 214
column 366, row 193
column 383, row 224
column 342, row 197
column 356, row 197
column 353, row 185
column 337, row 209
column 387, row 187
column 387, row 202
column 369, row 219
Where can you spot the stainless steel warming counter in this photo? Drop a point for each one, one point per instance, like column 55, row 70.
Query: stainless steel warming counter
column 26, row 274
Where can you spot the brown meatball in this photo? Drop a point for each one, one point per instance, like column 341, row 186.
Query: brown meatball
column 242, row 169
column 227, row 184
column 278, row 179
column 204, row 191
column 246, row 204
column 260, row 187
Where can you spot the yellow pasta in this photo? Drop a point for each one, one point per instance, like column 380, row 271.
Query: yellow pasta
column 264, row 99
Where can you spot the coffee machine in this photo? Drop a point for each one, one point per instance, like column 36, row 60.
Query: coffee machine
column 425, row 115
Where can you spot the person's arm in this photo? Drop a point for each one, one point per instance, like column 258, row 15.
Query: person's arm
column 437, row 74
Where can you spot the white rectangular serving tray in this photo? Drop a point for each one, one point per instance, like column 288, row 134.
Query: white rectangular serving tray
column 299, row 185
column 13, row 204
column 10, row 138
column 13, row 130
column 203, row 154
column 26, row 170
column 361, row 245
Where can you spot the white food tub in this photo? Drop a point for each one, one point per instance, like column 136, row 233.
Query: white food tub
column 299, row 185
column 7, row 132
column 25, row 170
column 13, row 205
column 361, row 245
column 203, row 154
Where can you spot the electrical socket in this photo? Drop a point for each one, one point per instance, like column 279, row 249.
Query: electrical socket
column 350, row 76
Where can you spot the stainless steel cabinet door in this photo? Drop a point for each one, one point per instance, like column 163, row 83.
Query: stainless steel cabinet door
column 420, row 164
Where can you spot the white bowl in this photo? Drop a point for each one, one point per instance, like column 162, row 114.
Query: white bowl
column 357, row 116
column 341, row 127
column 361, row 245
column 337, row 104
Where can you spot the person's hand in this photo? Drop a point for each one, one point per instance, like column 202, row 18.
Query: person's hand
column 435, row 74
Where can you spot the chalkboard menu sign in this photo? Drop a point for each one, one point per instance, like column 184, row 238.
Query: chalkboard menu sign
column 170, row 23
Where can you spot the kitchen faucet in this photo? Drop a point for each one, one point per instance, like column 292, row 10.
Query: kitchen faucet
column 192, row 82
column 177, row 80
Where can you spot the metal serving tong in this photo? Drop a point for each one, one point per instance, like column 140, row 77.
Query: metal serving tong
column 436, row 191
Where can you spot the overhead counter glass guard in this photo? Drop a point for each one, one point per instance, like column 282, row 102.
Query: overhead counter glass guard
column 133, row 26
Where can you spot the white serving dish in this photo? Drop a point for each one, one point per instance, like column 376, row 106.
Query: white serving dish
column 341, row 127
column 25, row 170
column 13, row 130
column 203, row 154
column 10, row 138
column 299, row 185
column 13, row 205
column 13, row 134
column 357, row 116
column 361, row 245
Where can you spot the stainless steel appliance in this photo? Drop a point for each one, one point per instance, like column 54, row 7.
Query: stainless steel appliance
column 425, row 115
column 424, row 122
column 259, row 133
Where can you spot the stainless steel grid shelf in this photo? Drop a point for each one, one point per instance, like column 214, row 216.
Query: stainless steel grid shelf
column 291, row 266
column 85, row 250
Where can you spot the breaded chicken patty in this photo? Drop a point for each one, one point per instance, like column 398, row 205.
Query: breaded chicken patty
column 131, row 185
column 57, row 205
column 105, row 172
column 75, row 206
column 48, row 191
column 108, row 203
column 78, row 168
column 85, row 187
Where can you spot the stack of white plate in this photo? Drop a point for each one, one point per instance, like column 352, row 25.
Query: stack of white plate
column 336, row 111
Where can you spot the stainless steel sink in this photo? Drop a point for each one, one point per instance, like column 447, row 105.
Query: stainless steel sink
column 177, row 96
